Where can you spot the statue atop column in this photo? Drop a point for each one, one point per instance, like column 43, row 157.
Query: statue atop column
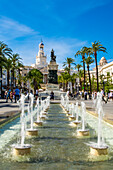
column 53, row 57
column 52, row 69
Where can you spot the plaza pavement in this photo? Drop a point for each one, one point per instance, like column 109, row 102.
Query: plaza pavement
column 108, row 108
column 8, row 110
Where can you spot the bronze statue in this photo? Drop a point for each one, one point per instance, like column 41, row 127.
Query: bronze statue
column 53, row 57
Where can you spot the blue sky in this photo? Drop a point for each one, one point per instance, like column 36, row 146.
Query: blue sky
column 66, row 26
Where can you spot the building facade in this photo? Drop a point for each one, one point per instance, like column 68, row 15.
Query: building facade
column 103, row 68
column 41, row 62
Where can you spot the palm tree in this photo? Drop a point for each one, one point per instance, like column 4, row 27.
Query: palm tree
column 4, row 51
column 82, row 53
column 19, row 66
column 80, row 75
column 7, row 66
column 35, row 77
column 68, row 63
column 65, row 78
column 96, row 47
column 89, row 60
column 15, row 59
column 72, row 79
column 78, row 66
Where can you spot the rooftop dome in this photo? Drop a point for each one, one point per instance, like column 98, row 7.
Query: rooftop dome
column 103, row 61
column 41, row 45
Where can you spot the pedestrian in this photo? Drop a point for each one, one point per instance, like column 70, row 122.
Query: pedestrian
column 111, row 95
column 36, row 94
column 8, row 95
column 11, row 96
column 102, row 93
column 52, row 95
column 17, row 94
column 85, row 95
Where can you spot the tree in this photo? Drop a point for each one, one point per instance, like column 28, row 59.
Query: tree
column 72, row 79
column 7, row 66
column 80, row 75
column 82, row 53
column 78, row 66
column 35, row 77
column 15, row 59
column 89, row 60
column 4, row 51
column 96, row 47
column 68, row 63
column 65, row 79
column 19, row 66
column 93, row 81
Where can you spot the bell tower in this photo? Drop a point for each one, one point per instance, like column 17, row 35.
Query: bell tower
column 41, row 58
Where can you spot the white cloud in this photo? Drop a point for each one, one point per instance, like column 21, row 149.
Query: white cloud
column 63, row 47
column 28, row 48
column 10, row 29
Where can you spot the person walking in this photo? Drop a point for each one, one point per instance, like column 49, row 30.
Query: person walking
column 85, row 95
column 8, row 95
column 11, row 96
column 52, row 95
column 17, row 94
column 102, row 93
column 36, row 94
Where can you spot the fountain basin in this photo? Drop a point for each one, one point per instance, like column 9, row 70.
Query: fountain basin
column 32, row 132
column 68, row 114
column 44, row 113
column 81, row 132
column 43, row 117
column 96, row 150
column 76, row 122
column 40, row 123
column 46, row 109
column 22, row 150
column 72, row 118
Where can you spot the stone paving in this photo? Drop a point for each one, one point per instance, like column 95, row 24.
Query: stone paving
column 7, row 109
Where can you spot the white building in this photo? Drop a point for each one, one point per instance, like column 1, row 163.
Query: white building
column 41, row 59
column 103, row 68
column 41, row 62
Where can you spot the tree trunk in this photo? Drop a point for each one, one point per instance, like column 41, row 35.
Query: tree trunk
column 13, row 77
column 66, row 85
column 8, row 78
column 96, row 70
column 80, row 85
column 69, row 68
column 1, row 81
column 89, row 79
column 19, row 80
column 84, row 75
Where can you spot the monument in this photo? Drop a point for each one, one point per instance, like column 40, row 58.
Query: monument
column 52, row 73
column 52, row 69
column 52, row 84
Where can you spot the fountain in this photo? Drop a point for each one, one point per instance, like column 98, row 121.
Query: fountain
column 38, row 122
column 76, row 122
column 42, row 111
column 47, row 149
column 22, row 148
column 72, row 117
column 83, row 131
column 99, row 148
column 31, row 131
